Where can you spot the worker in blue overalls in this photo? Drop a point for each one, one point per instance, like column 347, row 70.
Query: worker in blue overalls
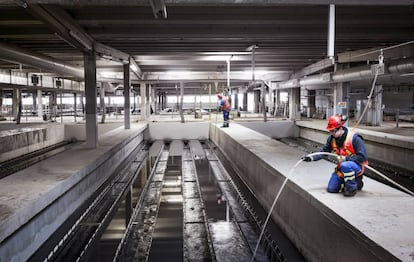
column 351, row 157
column 224, row 106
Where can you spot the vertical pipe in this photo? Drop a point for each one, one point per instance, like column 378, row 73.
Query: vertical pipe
column 228, row 73
column 209, row 101
column 331, row 33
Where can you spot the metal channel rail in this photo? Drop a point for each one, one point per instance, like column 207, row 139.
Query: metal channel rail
column 204, row 238
column 136, row 243
column 13, row 165
column 235, row 239
column 197, row 240
column 79, row 241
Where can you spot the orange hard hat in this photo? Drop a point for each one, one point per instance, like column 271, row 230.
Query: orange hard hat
column 335, row 122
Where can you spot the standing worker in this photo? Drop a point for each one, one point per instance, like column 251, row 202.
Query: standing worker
column 225, row 108
column 351, row 157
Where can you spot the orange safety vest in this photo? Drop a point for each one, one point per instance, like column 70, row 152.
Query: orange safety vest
column 346, row 150
column 226, row 106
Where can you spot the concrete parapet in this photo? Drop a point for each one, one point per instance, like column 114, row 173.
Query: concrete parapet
column 36, row 201
column 375, row 225
column 21, row 141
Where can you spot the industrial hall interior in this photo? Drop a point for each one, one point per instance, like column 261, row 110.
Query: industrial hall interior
column 207, row 130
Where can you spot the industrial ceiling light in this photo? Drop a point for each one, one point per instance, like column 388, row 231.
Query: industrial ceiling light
column 158, row 8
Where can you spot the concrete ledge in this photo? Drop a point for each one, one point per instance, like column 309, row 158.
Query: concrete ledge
column 21, row 141
column 375, row 225
column 387, row 148
column 37, row 200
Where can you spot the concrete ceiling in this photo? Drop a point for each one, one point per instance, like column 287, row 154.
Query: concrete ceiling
column 199, row 36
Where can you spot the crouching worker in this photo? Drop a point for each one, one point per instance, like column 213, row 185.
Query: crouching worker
column 351, row 156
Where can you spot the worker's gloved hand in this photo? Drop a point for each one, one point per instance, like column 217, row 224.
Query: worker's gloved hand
column 306, row 158
column 341, row 159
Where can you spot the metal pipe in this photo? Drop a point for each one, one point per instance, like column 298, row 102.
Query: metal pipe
column 22, row 56
column 357, row 73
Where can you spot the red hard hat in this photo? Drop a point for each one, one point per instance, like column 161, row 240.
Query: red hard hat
column 335, row 122
column 219, row 96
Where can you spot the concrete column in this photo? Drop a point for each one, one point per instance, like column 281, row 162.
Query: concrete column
column 245, row 101
column 127, row 102
column 181, row 101
column 311, row 103
column 1, row 101
column 236, row 100
column 153, row 100
column 90, row 94
column 39, row 103
column 75, row 110
column 256, row 102
column 82, row 104
column 102, row 103
column 374, row 112
column 128, row 206
column 340, row 98
column 294, row 101
column 34, row 99
column 271, row 101
column 143, row 101
column 17, row 105
column 263, row 98
column 148, row 102
column 164, row 100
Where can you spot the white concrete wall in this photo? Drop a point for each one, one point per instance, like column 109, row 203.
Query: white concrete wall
column 172, row 131
column 274, row 129
column 78, row 131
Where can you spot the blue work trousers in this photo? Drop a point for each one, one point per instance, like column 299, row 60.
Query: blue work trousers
column 226, row 117
column 350, row 169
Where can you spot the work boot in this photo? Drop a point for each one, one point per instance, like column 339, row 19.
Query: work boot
column 360, row 183
column 349, row 193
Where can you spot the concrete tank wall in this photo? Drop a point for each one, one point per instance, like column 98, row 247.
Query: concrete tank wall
column 21, row 141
